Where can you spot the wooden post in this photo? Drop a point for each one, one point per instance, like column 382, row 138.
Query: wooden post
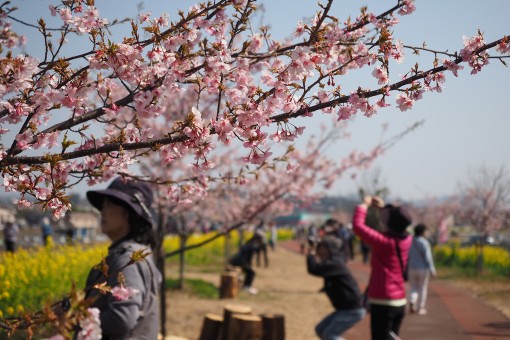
column 229, row 286
column 227, row 314
column 211, row 328
column 244, row 326
column 274, row 326
column 238, row 271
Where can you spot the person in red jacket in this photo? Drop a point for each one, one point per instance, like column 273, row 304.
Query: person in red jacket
column 390, row 250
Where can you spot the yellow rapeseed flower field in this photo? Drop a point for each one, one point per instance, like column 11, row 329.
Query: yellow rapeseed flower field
column 495, row 259
column 30, row 278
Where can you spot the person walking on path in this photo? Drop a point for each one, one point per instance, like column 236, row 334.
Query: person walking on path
column 390, row 249
column 273, row 235
column 260, row 230
column 421, row 266
column 365, row 252
column 243, row 259
column 345, row 235
column 11, row 231
column 46, row 230
column 339, row 285
column 126, row 220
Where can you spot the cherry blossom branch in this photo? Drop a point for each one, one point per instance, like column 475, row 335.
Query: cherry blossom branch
column 380, row 91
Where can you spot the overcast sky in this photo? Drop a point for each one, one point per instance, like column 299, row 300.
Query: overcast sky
column 465, row 127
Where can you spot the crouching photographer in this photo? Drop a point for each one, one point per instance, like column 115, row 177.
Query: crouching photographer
column 325, row 260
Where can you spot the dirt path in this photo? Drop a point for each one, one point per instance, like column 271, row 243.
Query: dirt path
column 286, row 288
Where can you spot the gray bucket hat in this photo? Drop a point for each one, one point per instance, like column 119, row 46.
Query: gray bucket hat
column 136, row 195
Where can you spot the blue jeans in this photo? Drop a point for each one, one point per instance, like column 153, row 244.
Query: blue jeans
column 336, row 323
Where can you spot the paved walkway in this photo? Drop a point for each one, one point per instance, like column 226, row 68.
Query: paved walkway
column 453, row 313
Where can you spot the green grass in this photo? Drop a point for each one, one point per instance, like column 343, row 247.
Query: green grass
column 196, row 287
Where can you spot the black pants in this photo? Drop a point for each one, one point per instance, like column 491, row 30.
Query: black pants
column 10, row 246
column 385, row 319
column 263, row 250
column 365, row 252
column 249, row 275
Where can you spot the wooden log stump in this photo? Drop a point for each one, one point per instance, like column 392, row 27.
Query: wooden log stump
column 211, row 328
column 230, row 310
column 244, row 326
column 229, row 285
column 238, row 271
column 273, row 326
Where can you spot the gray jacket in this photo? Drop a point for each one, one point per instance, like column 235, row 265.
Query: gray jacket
column 420, row 255
column 135, row 318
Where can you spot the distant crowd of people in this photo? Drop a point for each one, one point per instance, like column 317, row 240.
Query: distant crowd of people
column 13, row 237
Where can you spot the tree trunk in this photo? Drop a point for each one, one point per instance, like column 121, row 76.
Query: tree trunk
column 211, row 328
column 182, row 253
column 162, row 292
column 246, row 327
column 274, row 326
column 479, row 258
column 227, row 249
column 160, row 265
column 227, row 315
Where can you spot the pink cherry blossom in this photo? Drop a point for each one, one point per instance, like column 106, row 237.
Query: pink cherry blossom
column 503, row 47
column 224, row 129
column 65, row 15
column 381, row 75
column 23, row 203
column 90, row 327
column 397, row 52
column 452, row 66
column 256, row 42
column 404, row 103
column 358, row 103
column 345, row 112
column 123, row 293
column 407, row 8
column 475, row 60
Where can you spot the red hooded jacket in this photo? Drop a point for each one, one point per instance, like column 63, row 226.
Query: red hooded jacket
column 386, row 279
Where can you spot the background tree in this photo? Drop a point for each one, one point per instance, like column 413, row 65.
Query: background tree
column 484, row 203
column 438, row 214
